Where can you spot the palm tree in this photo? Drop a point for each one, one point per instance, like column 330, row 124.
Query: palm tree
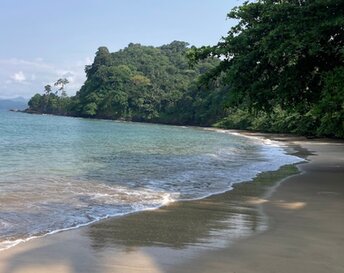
column 61, row 84
column 47, row 89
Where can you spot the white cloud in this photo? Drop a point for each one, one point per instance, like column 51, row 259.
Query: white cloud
column 86, row 61
column 37, row 63
column 18, row 77
column 65, row 73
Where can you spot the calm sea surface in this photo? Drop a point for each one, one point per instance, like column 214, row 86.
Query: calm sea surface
column 58, row 173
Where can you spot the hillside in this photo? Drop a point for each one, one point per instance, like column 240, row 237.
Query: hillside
column 275, row 71
column 15, row 103
column 139, row 83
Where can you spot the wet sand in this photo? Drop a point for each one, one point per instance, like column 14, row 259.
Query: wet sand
column 258, row 227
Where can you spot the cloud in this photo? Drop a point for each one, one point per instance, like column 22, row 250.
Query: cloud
column 84, row 62
column 18, row 77
column 37, row 63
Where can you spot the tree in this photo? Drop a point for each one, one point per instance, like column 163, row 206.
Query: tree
column 330, row 108
column 103, row 57
column 90, row 109
column 139, row 82
column 61, row 83
column 47, row 89
column 278, row 52
column 142, row 83
column 35, row 103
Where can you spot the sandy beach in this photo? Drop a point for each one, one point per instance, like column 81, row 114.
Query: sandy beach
column 296, row 226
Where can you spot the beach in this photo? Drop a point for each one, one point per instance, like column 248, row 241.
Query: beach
column 292, row 226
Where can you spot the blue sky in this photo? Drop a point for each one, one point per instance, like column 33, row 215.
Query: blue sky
column 42, row 40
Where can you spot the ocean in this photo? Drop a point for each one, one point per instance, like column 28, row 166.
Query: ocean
column 59, row 173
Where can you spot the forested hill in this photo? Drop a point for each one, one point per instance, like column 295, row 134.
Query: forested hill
column 139, row 83
column 279, row 69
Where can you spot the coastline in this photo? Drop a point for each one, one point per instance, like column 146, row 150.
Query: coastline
column 134, row 243
column 306, row 226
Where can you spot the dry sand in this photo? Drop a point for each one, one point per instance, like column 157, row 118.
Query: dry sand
column 303, row 230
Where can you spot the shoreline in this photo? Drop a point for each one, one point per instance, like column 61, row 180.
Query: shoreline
column 200, row 257
column 243, row 132
column 10, row 244
column 306, row 227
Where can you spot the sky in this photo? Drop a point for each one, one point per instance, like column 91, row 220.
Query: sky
column 44, row 40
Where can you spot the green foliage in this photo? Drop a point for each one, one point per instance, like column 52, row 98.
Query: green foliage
column 330, row 109
column 51, row 103
column 90, row 109
column 236, row 119
column 282, row 63
column 47, row 89
column 280, row 69
column 140, row 83
column 35, row 103
column 276, row 121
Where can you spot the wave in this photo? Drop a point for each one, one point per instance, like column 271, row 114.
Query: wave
column 51, row 204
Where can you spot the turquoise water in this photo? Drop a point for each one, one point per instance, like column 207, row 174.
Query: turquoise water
column 58, row 173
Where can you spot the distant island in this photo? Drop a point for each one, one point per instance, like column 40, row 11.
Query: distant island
column 18, row 103
column 280, row 69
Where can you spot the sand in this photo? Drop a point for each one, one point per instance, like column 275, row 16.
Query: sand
column 295, row 227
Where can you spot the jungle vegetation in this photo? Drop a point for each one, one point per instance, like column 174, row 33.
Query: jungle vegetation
column 279, row 69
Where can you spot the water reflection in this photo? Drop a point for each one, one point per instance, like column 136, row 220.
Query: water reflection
column 152, row 241
column 190, row 227
column 209, row 223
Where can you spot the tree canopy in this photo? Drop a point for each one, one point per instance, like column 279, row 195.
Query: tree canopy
column 279, row 69
column 282, row 55
column 140, row 83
